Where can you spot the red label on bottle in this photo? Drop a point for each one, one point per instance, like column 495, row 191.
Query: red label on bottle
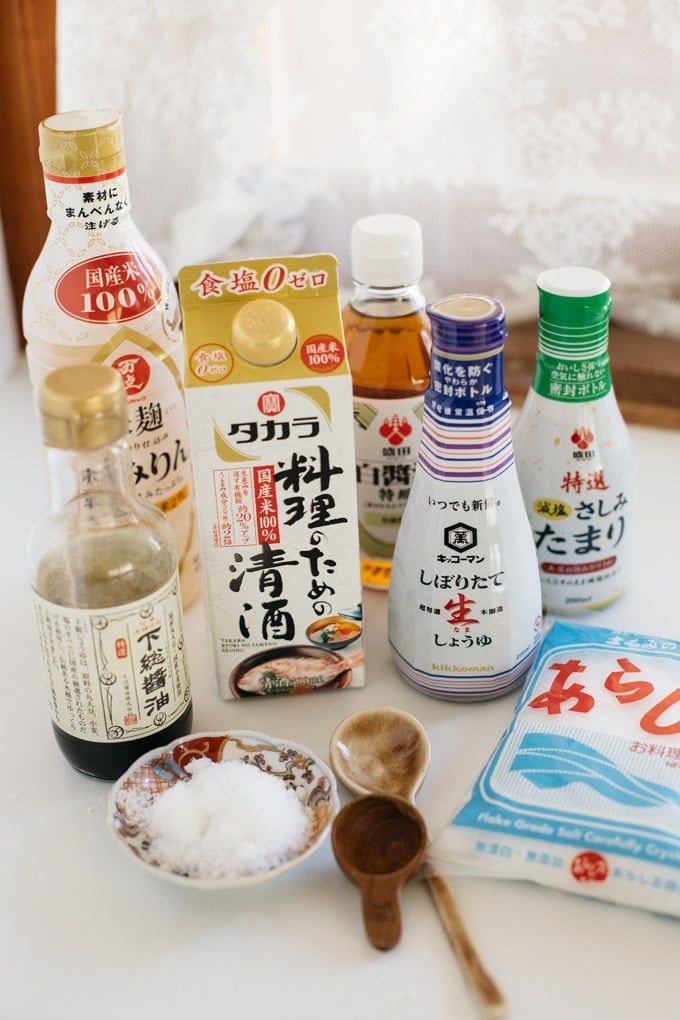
column 578, row 568
column 135, row 372
column 121, row 648
column 395, row 430
column 110, row 288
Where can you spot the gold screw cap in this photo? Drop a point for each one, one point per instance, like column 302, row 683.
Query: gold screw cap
column 83, row 407
column 263, row 332
column 82, row 143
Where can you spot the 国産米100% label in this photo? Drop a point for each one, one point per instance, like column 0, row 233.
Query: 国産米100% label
column 115, row 674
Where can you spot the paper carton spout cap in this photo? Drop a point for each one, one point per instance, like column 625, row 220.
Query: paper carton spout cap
column 264, row 332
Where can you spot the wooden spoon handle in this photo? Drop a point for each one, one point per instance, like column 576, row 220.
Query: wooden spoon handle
column 382, row 913
column 491, row 998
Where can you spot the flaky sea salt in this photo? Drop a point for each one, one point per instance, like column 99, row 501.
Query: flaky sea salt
column 231, row 819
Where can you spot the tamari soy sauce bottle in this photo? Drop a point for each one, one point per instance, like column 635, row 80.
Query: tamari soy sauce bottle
column 103, row 567
column 388, row 346
column 465, row 600
column 574, row 453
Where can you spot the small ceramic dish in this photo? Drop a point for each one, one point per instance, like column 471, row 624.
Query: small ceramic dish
column 158, row 770
column 333, row 632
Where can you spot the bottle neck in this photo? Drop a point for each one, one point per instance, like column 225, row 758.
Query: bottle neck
column 387, row 302
column 467, row 388
column 466, row 432
column 572, row 364
column 101, row 481
column 90, row 203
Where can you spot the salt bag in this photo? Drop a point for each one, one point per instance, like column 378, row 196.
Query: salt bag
column 583, row 790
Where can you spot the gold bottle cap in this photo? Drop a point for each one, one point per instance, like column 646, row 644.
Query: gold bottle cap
column 83, row 407
column 264, row 332
column 82, row 143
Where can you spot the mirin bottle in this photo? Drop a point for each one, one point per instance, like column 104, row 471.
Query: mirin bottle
column 103, row 567
column 99, row 293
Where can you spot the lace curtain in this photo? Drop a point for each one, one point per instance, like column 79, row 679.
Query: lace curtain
column 522, row 134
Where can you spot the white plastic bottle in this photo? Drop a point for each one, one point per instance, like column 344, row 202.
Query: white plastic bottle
column 574, row 453
column 99, row 293
column 465, row 601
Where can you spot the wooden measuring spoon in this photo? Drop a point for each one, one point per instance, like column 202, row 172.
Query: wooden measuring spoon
column 386, row 751
column 379, row 842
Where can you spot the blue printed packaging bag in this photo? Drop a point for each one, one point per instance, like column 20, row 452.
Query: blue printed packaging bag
column 583, row 790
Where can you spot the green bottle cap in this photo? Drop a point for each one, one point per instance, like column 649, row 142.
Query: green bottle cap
column 574, row 312
column 573, row 335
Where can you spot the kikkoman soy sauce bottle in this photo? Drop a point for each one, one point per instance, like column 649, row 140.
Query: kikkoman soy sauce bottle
column 99, row 293
column 465, row 599
column 103, row 567
column 574, row 454
column 388, row 346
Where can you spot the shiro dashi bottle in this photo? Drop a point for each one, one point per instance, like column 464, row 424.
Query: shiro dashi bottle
column 465, row 600
column 103, row 567
column 574, row 454
column 99, row 293
column 388, row 347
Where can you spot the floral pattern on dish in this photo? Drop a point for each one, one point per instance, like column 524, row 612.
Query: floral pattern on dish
column 158, row 770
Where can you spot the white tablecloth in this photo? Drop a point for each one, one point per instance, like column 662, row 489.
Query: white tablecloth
column 87, row 934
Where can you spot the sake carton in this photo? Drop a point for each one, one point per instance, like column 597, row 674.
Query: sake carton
column 269, row 397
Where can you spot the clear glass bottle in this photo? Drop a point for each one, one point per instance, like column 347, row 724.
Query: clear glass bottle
column 100, row 293
column 465, row 602
column 388, row 345
column 103, row 568
column 574, row 453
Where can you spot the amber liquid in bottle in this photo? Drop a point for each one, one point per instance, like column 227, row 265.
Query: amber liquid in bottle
column 388, row 345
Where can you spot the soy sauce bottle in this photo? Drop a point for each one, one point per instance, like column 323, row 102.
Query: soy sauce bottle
column 103, row 566
column 575, row 457
column 465, row 599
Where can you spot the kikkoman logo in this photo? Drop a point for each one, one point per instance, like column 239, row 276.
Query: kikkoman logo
column 461, row 537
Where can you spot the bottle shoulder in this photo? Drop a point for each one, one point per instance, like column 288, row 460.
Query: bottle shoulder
column 539, row 412
column 95, row 567
column 389, row 357
column 81, row 289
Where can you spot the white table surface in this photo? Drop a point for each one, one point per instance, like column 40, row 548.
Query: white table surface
column 84, row 933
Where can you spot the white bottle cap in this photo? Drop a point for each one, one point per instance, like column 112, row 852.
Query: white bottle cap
column 573, row 281
column 387, row 251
